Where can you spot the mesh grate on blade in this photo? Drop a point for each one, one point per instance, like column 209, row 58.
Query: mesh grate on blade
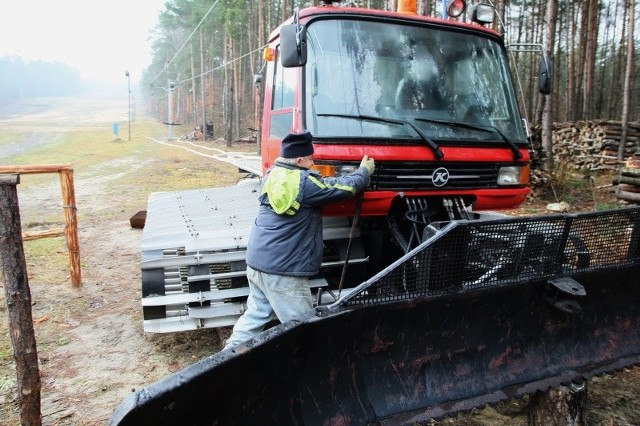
column 468, row 255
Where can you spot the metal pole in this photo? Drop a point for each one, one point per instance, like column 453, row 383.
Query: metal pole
column 129, row 94
column 129, row 90
column 169, row 111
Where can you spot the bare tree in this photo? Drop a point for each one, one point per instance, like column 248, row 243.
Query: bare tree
column 194, row 95
column 500, row 6
column 628, row 77
column 203, row 85
column 591, row 49
column 547, row 114
column 227, row 92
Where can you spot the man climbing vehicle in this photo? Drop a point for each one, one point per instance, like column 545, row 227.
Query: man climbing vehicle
column 285, row 245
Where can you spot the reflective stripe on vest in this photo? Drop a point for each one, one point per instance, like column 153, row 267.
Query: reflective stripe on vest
column 318, row 182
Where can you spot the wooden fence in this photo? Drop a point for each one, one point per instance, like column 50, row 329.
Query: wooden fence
column 69, row 204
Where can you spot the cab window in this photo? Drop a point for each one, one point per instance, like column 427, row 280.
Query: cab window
column 283, row 90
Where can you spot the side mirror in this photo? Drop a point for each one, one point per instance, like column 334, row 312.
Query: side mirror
column 293, row 45
column 544, row 77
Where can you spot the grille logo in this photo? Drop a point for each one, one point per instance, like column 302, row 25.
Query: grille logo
column 440, row 177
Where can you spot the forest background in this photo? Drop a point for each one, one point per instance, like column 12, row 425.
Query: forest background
column 206, row 54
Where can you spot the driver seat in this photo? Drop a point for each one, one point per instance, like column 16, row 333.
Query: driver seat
column 418, row 95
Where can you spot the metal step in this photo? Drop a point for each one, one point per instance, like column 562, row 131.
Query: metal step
column 211, row 296
column 214, row 310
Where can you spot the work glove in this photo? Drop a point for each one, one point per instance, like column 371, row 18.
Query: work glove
column 368, row 163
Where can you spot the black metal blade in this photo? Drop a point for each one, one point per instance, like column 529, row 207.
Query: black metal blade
column 405, row 362
column 434, row 335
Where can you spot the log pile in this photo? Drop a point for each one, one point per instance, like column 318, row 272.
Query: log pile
column 629, row 180
column 593, row 145
column 538, row 176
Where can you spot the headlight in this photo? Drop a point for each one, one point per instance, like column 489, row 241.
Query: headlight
column 345, row 170
column 327, row 170
column 513, row 175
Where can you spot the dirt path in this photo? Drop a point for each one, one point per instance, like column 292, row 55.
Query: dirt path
column 91, row 346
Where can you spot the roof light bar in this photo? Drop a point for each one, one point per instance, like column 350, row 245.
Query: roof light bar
column 456, row 8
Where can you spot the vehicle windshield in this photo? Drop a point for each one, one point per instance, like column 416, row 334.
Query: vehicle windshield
column 438, row 80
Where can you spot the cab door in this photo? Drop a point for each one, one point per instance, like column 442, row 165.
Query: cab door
column 280, row 104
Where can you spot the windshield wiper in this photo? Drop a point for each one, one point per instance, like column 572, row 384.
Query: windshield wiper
column 517, row 155
column 489, row 129
column 437, row 152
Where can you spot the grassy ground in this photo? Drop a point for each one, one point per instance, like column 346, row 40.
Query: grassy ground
column 91, row 346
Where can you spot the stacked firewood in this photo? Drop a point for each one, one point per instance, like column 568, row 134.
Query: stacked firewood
column 593, row 145
column 629, row 180
column 538, row 176
column 585, row 146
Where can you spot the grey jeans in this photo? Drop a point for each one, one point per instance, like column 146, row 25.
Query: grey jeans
column 286, row 297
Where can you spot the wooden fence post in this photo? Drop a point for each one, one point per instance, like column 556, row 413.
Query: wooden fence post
column 71, row 220
column 18, row 299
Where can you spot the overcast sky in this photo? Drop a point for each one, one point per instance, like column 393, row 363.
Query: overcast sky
column 101, row 38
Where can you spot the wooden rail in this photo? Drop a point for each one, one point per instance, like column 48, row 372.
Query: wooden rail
column 69, row 203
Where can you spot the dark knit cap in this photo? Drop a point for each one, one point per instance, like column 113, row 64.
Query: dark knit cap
column 296, row 145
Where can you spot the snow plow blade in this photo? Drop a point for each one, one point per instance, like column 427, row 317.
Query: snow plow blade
column 483, row 311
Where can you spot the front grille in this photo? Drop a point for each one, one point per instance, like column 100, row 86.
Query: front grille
column 417, row 175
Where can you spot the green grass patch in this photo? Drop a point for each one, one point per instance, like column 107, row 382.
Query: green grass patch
column 64, row 340
column 7, row 137
column 139, row 164
column 5, row 354
column 121, row 173
column 83, row 149
column 47, row 259
column 7, row 383
column 606, row 206
column 44, row 246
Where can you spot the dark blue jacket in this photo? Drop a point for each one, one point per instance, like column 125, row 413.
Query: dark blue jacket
column 286, row 238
